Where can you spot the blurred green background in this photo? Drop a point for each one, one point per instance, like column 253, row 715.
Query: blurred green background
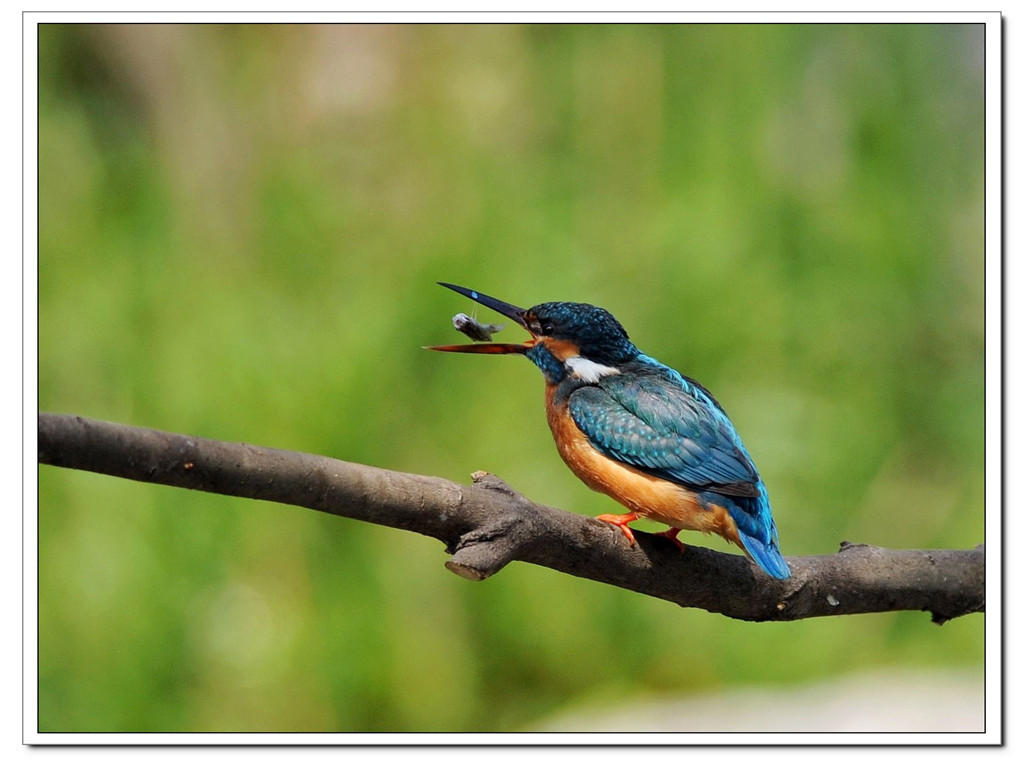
column 240, row 230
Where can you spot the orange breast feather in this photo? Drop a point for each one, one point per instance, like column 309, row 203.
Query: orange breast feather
column 647, row 496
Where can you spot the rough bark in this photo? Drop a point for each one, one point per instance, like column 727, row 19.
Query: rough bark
column 486, row 525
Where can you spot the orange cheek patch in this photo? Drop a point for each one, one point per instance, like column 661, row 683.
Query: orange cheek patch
column 561, row 348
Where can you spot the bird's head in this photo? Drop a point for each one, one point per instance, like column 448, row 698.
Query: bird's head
column 566, row 338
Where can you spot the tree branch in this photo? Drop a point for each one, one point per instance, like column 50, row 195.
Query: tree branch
column 487, row 525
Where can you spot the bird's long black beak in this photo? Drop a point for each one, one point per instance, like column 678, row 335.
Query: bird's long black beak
column 518, row 314
column 508, row 310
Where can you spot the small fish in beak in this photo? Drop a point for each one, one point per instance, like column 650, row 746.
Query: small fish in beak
column 474, row 329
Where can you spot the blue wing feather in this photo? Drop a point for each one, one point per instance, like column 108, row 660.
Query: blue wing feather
column 668, row 426
column 657, row 420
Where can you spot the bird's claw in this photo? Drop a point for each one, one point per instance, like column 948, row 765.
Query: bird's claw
column 622, row 523
column 671, row 535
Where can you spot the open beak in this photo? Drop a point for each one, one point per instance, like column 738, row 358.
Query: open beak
column 508, row 310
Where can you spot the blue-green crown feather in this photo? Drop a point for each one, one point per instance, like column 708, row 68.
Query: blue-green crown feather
column 595, row 331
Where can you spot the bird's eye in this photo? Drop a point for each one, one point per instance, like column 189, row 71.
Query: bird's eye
column 547, row 328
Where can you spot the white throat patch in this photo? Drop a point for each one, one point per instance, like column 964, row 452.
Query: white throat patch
column 587, row 370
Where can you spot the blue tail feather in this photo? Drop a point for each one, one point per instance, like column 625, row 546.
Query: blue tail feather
column 754, row 523
column 766, row 555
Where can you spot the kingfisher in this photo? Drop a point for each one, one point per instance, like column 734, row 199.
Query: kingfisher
column 635, row 429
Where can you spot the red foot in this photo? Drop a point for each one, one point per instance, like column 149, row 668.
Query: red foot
column 671, row 534
column 622, row 523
